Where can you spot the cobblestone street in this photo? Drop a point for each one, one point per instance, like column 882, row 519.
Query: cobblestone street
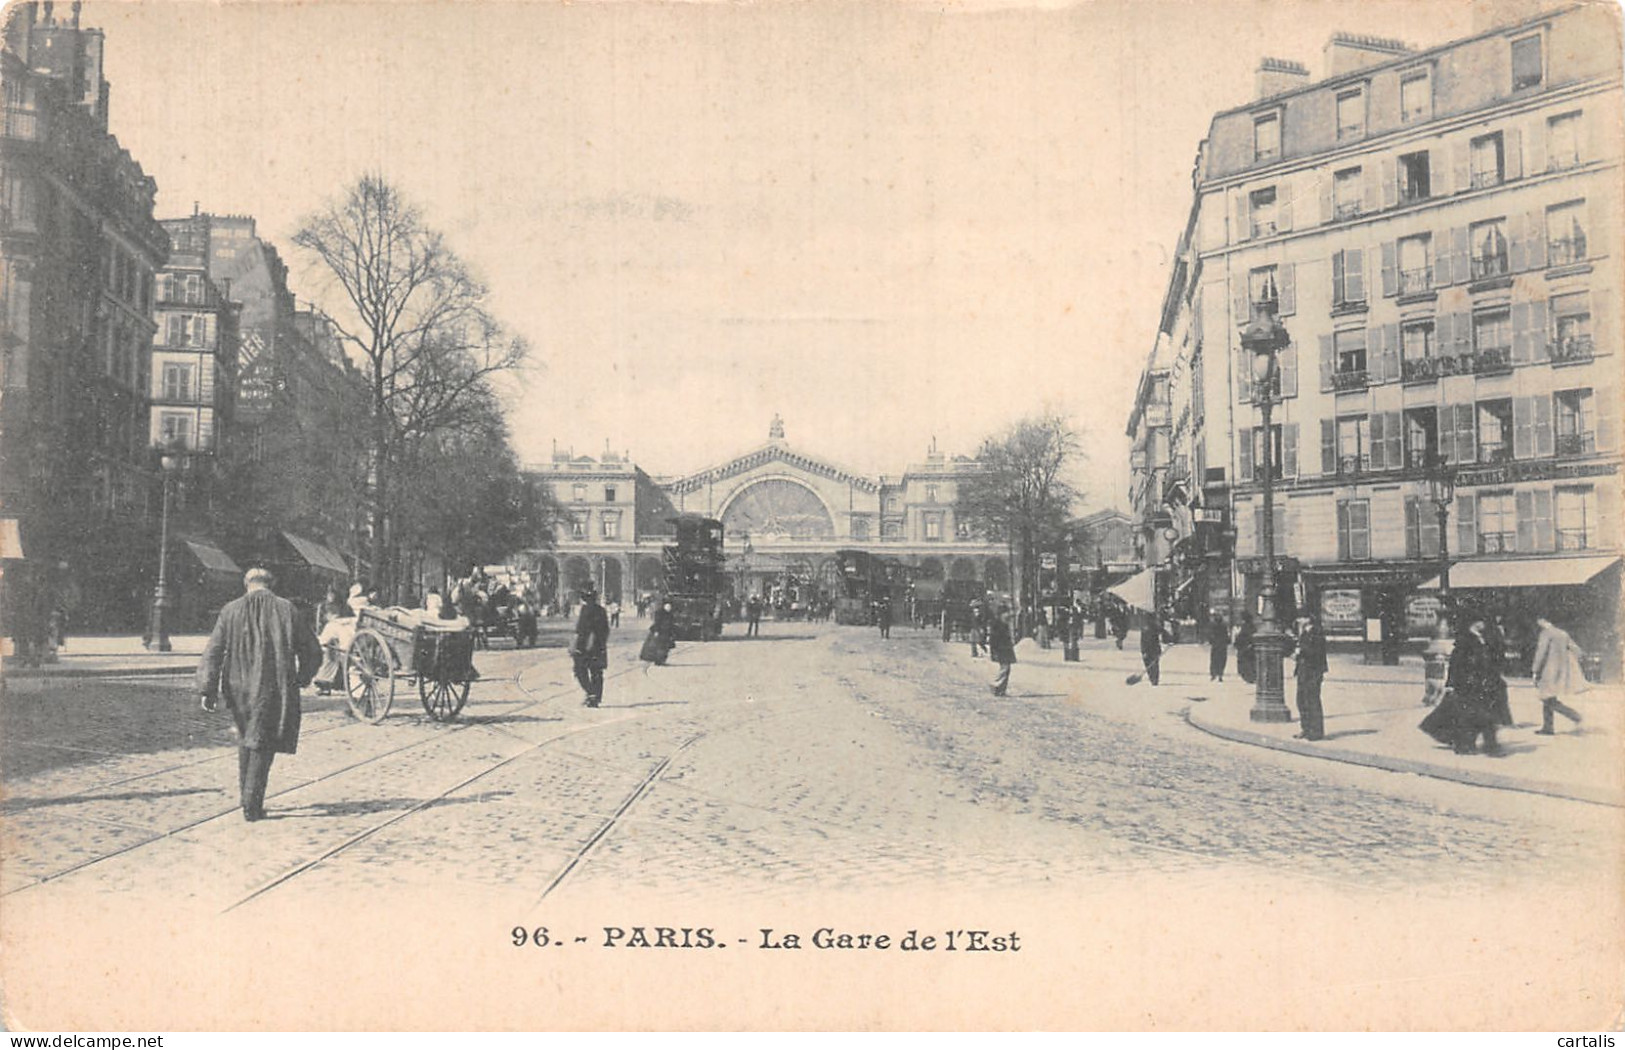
column 818, row 763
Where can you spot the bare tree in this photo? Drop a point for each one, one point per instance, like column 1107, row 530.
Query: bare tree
column 1021, row 493
column 414, row 319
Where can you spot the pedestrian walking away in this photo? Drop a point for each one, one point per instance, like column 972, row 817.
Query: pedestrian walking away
column 261, row 653
column 660, row 641
column 1557, row 673
column 1001, row 648
column 1218, row 636
column 1311, row 672
column 589, row 652
column 1244, row 650
column 1150, row 651
column 978, row 627
column 1468, row 709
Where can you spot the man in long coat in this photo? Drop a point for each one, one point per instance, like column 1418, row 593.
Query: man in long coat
column 590, row 650
column 261, row 653
column 1002, row 648
column 1311, row 672
column 1151, row 647
column 1556, row 668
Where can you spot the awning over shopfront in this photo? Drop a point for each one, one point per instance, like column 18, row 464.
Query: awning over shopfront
column 317, row 555
column 1522, row 572
column 11, row 539
column 1137, row 591
column 212, row 558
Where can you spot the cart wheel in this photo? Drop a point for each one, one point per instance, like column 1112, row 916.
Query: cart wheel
column 442, row 698
column 369, row 677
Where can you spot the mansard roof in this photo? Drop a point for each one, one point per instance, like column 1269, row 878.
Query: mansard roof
column 772, row 452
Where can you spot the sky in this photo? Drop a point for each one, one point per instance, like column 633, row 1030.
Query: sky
column 888, row 222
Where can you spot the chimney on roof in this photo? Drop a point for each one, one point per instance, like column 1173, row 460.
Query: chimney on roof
column 1346, row 52
column 1277, row 76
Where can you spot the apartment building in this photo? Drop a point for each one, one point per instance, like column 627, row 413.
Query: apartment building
column 1438, row 232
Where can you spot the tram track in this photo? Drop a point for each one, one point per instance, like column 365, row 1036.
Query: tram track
column 439, row 738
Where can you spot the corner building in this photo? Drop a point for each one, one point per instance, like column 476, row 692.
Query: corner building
column 1438, row 231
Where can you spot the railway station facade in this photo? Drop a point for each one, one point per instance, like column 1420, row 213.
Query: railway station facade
column 785, row 513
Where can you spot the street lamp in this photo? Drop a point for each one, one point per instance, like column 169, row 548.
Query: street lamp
column 1442, row 490
column 1264, row 338
column 1073, row 628
column 157, row 634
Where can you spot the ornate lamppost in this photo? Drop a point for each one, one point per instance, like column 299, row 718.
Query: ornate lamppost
column 1264, row 338
column 157, row 636
column 1073, row 622
column 1442, row 490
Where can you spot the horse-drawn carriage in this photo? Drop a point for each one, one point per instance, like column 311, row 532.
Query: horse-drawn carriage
column 389, row 649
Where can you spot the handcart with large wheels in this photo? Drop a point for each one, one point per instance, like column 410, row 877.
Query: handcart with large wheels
column 386, row 650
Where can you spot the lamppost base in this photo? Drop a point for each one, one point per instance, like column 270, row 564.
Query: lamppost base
column 1269, row 701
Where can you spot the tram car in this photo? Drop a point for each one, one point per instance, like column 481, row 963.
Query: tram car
column 694, row 576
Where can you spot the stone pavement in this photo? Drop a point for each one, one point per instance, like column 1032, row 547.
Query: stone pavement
column 1372, row 713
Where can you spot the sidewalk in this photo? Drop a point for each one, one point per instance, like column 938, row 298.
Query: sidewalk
column 111, row 655
column 1372, row 712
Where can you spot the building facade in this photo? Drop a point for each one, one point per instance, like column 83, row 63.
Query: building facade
column 1438, row 233
column 785, row 514
column 79, row 249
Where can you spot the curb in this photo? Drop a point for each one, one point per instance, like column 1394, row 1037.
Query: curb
column 35, row 674
column 1498, row 781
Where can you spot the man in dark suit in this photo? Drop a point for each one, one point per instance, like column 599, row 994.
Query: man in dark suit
column 1311, row 671
column 1002, row 648
column 262, row 652
column 590, row 650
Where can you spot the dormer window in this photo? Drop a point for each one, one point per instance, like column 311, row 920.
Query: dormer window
column 1267, row 137
column 1350, row 114
column 1527, row 68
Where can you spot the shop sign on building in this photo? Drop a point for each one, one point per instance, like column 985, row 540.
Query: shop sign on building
column 1340, row 611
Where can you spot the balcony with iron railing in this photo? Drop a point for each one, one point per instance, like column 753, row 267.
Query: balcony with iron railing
column 1494, row 452
column 1571, row 349
column 1491, row 360
column 1417, row 281
column 1350, row 465
column 1420, row 369
column 1572, row 540
column 1497, row 542
column 1582, row 444
column 1566, row 251
column 1485, row 267
column 1346, row 210
column 1351, row 379
column 1485, row 179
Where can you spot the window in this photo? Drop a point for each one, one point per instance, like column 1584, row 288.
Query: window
column 933, row 526
column 1488, row 243
column 1497, row 523
column 1421, row 436
column 1267, row 137
column 1415, row 265
column 1348, row 348
column 1488, row 161
column 1353, row 529
column 1495, row 431
column 1348, row 277
column 610, row 525
column 1576, row 423
column 1353, row 444
column 1526, row 63
column 892, row 505
column 1421, row 528
column 1414, row 182
column 1278, row 452
column 1492, row 338
column 1571, row 324
column 175, row 430
column 1415, row 97
column 578, row 492
column 860, row 528
column 1347, row 193
column 609, row 493
column 1277, row 522
column 1416, row 345
column 1563, row 141
column 1262, row 291
column 1350, row 114
column 1577, row 518
column 578, row 527
column 930, row 493
column 1263, row 211
column 1565, row 234
column 177, row 382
